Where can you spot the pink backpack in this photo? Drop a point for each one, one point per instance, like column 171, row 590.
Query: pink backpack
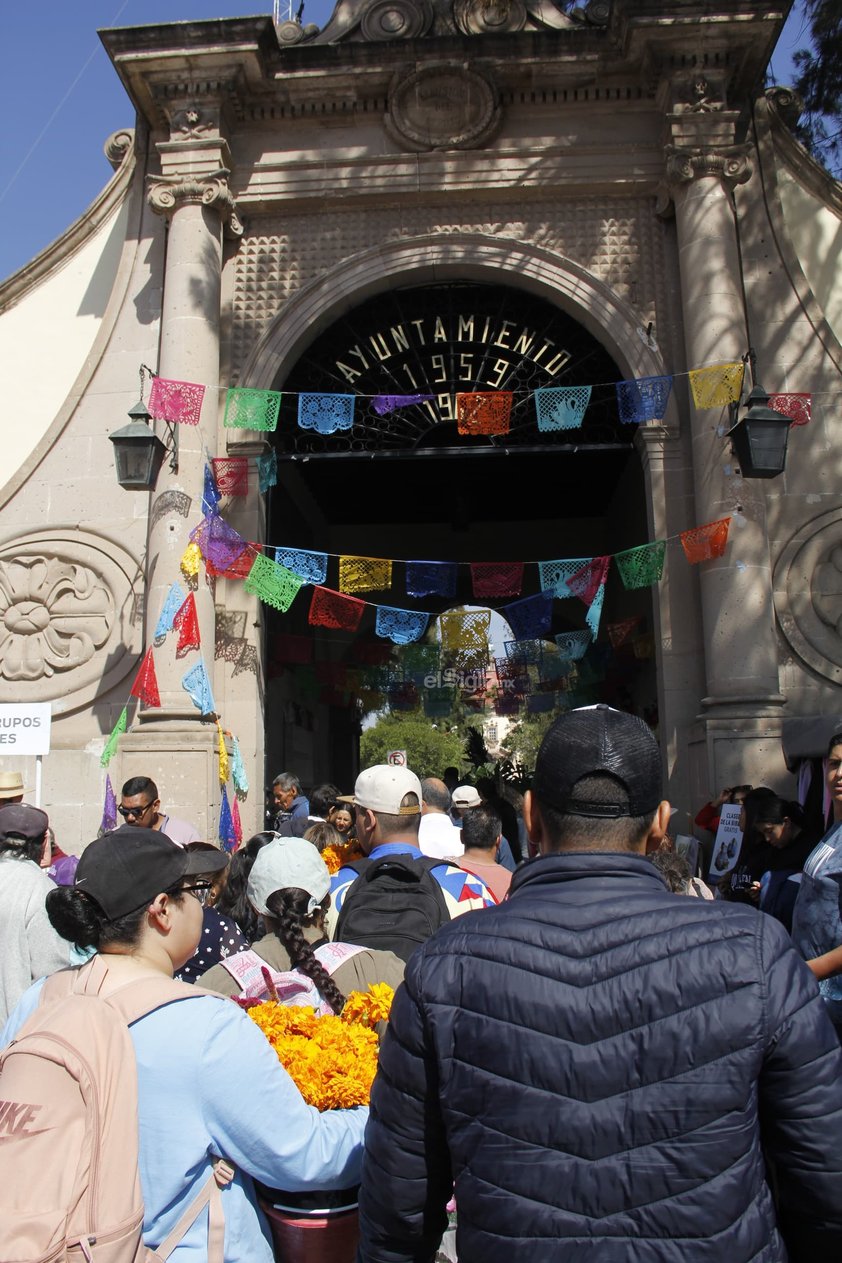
column 69, row 1128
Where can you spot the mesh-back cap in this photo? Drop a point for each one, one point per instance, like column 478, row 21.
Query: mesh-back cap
column 594, row 740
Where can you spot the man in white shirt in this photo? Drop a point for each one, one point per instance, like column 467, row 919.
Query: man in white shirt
column 438, row 837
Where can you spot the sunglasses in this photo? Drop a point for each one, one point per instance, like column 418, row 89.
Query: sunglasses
column 200, row 890
column 125, row 812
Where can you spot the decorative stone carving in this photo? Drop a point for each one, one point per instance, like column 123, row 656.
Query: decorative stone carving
column 808, row 594
column 731, row 162
column 290, row 32
column 118, row 146
column 55, row 616
column 787, row 103
column 70, row 628
column 481, row 17
column 396, row 19
column 355, row 20
column 168, row 192
column 193, row 123
column 442, row 106
column 700, row 97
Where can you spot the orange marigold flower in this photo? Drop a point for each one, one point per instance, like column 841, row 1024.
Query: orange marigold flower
column 369, row 1007
column 332, row 1062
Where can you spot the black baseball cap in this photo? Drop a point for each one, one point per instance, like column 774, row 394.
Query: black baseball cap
column 19, row 820
column 124, row 869
column 594, row 740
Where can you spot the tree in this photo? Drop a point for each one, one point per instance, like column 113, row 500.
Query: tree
column 523, row 741
column 429, row 749
column 819, row 83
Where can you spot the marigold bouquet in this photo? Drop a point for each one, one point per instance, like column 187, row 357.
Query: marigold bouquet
column 332, row 1060
column 336, row 856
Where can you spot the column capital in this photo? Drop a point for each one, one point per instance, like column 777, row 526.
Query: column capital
column 731, row 163
column 167, row 193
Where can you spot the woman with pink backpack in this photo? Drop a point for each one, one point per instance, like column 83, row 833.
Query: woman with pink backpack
column 210, row 1109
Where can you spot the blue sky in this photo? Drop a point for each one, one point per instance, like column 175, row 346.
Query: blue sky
column 61, row 98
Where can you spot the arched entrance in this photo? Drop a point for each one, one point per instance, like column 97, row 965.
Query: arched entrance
column 406, row 485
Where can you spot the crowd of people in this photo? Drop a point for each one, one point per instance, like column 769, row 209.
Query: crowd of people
column 592, row 1063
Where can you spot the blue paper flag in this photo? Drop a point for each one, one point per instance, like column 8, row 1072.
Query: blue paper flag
column 400, row 626
column 561, row 407
column 431, row 578
column 553, row 575
column 267, row 471
column 530, row 618
column 643, row 399
column 573, row 644
column 325, row 413
column 238, row 770
column 595, row 611
column 227, row 833
column 197, row 685
column 311, row 567
column 210, row 492
column 173, row 603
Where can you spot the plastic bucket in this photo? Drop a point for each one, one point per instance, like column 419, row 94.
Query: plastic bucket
column 331, row 1237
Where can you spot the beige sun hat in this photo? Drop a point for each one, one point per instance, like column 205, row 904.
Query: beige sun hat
column 11, row 784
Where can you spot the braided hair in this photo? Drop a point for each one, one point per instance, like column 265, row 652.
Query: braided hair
column 288, row 908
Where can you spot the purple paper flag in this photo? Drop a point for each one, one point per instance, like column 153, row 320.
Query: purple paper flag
column 109, row 810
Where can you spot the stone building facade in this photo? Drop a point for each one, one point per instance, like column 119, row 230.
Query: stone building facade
column 615, row 174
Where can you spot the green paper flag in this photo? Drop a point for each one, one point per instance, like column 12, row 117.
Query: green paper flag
column 111, row 745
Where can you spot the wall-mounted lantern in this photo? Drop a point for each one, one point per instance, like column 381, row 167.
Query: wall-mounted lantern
column 760, row 438
column 138, row 452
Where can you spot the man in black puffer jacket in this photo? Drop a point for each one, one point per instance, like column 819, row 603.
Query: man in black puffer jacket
column 608, row 1072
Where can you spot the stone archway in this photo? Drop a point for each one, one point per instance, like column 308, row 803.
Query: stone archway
column 456, row 256
column 410, row 266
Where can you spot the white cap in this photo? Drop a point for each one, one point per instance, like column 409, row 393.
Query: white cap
column 285, row 863
column 382, row 787
column 466, row 796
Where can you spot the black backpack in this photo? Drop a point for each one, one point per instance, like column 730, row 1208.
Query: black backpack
column 394, row 905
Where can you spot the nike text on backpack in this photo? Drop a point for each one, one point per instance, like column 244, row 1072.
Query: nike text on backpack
column 69, row 1128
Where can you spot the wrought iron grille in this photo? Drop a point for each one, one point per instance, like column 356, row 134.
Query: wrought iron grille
column 439, row 340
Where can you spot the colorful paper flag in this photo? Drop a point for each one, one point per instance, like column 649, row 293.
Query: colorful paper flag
column 145, row 686
column 334, row 609
column 186, row 623
column 176, row 402
column 109, row 808
column 484, row 412
column 116, row 733
column 173, row 602
column 238, row 770
column 247, row 409
column 364, row 574
column 197, row 685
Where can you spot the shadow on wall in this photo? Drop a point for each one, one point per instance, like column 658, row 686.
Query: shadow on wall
column 95, row 298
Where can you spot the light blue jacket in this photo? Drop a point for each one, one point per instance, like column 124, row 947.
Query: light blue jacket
column 210, row 1085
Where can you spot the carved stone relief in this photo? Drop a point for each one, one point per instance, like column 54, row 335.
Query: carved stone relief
column 442, row 107
column 617, row 239
column 375, row 20
column 70, row 623
column 808, row 594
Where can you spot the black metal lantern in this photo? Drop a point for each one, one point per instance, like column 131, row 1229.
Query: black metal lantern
column 138, row 452
column 760, row 438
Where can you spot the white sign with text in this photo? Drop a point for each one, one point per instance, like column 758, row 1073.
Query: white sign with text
column 25, row 728
column 729, row 839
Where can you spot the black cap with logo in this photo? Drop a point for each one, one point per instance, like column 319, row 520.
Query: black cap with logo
column 124, row 869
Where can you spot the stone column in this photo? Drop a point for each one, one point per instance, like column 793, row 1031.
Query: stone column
column 192, row 192
column 740, row 720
